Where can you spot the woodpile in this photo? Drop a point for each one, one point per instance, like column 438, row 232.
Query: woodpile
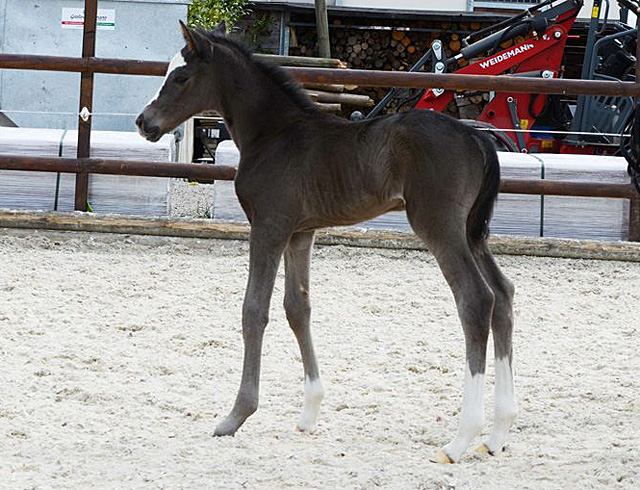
column 396, row 48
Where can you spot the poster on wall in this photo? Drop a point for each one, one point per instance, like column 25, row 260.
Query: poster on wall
column 73, row 18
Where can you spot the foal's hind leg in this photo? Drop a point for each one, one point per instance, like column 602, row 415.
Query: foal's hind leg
column 266, row 247
column 297, row 259
column 502, row 326
column 474, row 300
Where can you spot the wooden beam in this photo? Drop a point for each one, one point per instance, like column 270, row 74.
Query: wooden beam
column 322, row 26
column 198, row 228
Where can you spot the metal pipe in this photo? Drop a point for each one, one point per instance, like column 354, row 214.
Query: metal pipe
column 93, row 65
column 198, row 171
column 194, row 171
column 364, row 78
column 372, row 78
column 567, row 188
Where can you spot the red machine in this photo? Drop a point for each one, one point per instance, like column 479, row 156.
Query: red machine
column 538, row 56
column 536, row 122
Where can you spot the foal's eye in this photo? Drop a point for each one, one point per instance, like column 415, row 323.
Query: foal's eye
column 181, row 79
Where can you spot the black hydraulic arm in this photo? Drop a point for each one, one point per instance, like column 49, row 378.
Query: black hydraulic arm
column 522, row 26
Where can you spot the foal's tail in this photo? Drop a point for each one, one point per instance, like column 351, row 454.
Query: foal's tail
column 482, row 209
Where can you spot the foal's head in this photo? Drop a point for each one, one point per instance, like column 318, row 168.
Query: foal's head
column 187, row 87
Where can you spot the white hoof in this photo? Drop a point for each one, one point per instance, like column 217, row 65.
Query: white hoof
column 441, row 458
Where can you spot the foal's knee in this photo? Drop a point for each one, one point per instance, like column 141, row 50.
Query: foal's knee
column 476, row 308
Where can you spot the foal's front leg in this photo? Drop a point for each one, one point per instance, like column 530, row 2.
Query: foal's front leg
column 264, row 258
column 297, row 258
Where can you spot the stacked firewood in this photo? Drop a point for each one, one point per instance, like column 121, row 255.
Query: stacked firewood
column 395, row 49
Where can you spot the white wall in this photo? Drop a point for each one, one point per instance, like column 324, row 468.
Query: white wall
column 432, row 5
column 448, row 5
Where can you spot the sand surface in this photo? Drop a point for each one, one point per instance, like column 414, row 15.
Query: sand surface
column 119, row 355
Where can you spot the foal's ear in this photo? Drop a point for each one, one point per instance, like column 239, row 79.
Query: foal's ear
column 221, row 29
column 189, row 37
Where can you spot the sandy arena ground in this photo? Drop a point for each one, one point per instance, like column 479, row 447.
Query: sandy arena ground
column 119, row 355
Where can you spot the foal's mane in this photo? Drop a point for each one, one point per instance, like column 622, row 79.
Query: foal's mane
column 280, row 79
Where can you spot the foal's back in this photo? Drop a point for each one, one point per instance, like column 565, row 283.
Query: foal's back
column 352, row 171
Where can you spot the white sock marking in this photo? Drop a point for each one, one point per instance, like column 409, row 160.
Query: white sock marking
column 505, row 405
column 471, row 415
column 313, row 396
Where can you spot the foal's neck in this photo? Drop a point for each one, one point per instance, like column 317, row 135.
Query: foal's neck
column 254, row 107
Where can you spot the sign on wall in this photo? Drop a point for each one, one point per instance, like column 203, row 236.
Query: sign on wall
column 73, row 18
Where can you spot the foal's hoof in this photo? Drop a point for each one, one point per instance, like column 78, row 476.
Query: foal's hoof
column 484, row 450
column 306, row 426
column 225, row 428
column 441, row 458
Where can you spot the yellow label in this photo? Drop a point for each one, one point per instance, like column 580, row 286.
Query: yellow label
column 547, row 144
column 595, row 11
column 524, row 124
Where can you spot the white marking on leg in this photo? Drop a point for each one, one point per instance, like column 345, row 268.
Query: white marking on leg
column 176, row 62
column 471, row 415
column 313, row 396
column 506, row 407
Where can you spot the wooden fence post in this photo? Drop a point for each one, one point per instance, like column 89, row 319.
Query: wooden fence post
column 86, row 99
column 634, row 219
column 322, row 26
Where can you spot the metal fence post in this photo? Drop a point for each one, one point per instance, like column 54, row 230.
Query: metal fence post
column 86, row 99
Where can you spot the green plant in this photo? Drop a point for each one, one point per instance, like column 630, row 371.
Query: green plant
column 207, row 14
column 260, row 26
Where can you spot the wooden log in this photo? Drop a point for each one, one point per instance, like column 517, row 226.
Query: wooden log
column 455, row 46
column 341, row 98
column 405, row 41
column 397, row 35
column 301, row 61
column 324, row 87
column 333, row 108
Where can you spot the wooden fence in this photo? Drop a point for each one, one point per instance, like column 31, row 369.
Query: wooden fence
column 88, row 64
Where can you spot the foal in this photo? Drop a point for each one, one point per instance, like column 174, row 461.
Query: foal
column 301, row 170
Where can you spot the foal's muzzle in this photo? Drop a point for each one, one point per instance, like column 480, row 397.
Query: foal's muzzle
column 149, row 131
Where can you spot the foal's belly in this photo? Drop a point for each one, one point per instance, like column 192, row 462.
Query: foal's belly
column 351, row 215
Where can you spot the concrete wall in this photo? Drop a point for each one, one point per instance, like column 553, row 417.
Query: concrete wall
column 433, row 5
column 144, row 29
